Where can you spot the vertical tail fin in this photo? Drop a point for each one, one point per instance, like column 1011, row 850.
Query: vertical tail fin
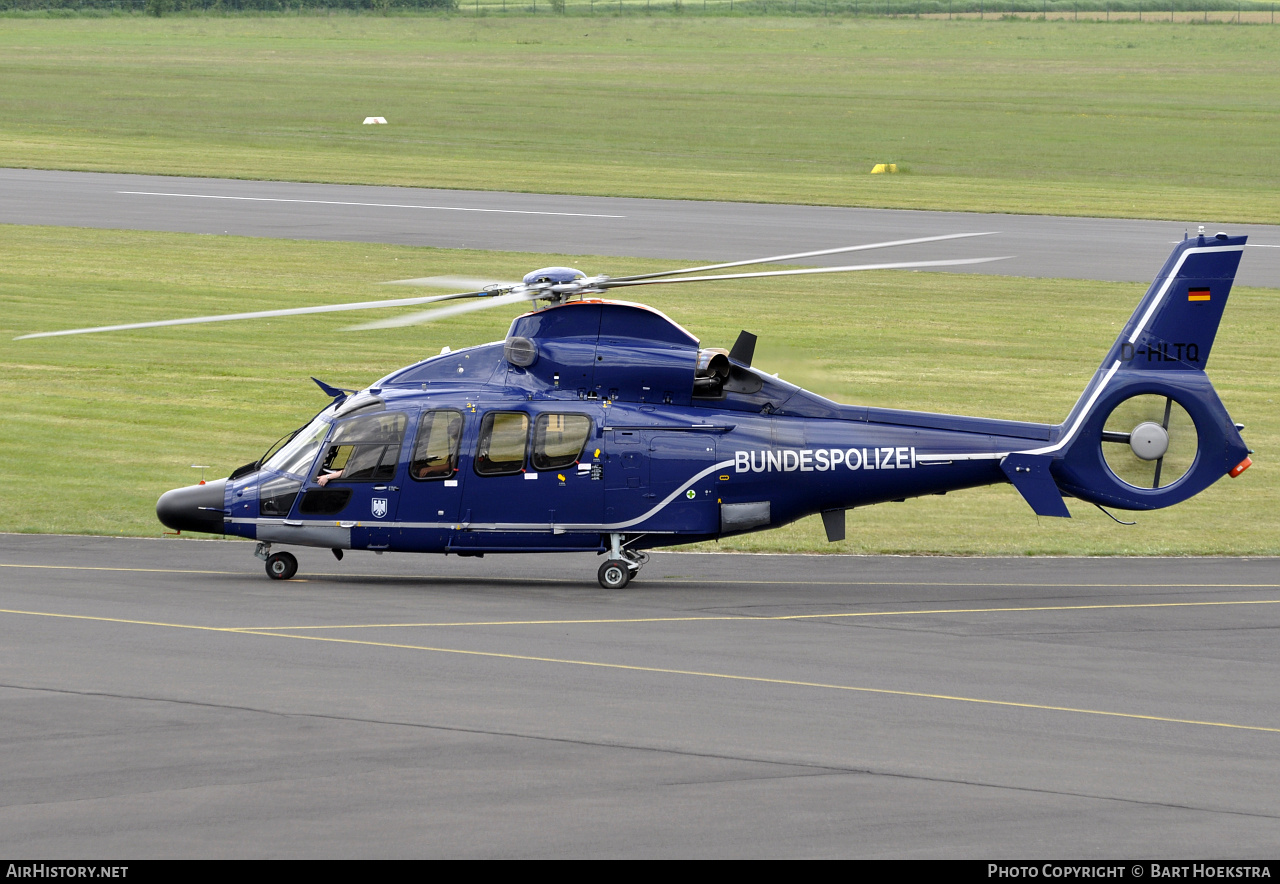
column 1177, row 320
column 1175, row 323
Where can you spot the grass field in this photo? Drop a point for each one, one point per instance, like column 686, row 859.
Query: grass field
column 1122, row 119
column 95, row 428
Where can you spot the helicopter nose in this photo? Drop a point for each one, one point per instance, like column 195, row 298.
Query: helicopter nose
column 194, row 508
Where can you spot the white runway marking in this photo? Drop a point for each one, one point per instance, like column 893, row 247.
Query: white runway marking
column 263, row 199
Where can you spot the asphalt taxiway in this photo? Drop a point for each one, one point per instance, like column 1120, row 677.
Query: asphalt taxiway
column 163, row 698
column 676, row 230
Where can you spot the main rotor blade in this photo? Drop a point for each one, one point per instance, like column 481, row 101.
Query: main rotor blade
column 455, row 282
column 906, row 265
column 776, row 258
column 428, row 315
column 260, row 314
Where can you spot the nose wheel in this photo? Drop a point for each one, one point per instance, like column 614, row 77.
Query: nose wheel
column 281, row 566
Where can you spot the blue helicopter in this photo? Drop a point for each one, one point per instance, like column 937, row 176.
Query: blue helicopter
column 604, row 426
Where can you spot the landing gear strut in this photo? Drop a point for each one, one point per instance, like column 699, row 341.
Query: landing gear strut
column 623, row 564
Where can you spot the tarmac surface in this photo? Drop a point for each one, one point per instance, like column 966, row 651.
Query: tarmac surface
column 163, row 698
column 676, row 230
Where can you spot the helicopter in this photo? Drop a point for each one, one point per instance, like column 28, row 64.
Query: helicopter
column 604, row 426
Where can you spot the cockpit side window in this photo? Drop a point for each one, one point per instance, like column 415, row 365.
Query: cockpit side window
column 364, row 449
column 297, row 455
column 504, row 438
column 435, row 453
column 558, row 440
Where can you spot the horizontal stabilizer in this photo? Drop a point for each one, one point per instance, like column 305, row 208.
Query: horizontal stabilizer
column 1030, row 474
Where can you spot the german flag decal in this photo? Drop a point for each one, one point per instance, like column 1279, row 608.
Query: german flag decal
column 1197, row 294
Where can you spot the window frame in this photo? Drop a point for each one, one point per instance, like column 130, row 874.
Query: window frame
column 539, row 437
column 455, row 454
column 287, row 455
column 334, row 444
column 486, row 433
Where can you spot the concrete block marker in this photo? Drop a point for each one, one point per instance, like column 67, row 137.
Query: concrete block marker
column 883, row 168
column 375, row 121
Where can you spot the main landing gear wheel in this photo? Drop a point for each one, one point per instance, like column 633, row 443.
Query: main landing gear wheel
column 614, row 574
column 281, row 566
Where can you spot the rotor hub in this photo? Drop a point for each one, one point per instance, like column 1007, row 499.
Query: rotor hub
column 553, row 276
column 1149, row 440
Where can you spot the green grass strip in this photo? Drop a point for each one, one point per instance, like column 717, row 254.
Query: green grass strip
column 1133, row 119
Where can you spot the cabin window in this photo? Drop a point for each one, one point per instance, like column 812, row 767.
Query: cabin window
column 364, row 449
column 435, row 453
column 558, row 440
column 504, row 436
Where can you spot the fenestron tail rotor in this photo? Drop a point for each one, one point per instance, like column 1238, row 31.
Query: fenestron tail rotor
column 554, row 285
column 1149, row 441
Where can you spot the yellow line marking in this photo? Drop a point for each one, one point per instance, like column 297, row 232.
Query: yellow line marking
column 692, row 619
column 464, row 578
column 776, row 681
column 131, row 570
column 121, row 620
column 778, row 617
column 662, row 671
column 346, row 576
column 620, row 620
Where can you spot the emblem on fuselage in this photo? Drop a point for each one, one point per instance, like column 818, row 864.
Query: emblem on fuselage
column 379, row 507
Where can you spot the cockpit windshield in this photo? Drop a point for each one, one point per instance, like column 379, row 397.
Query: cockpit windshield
column 297, row 456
